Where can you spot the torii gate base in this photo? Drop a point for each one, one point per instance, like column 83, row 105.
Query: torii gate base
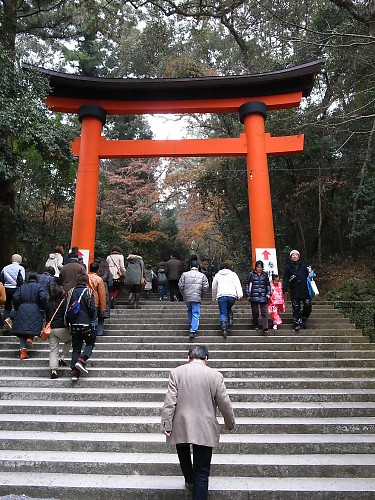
column 250, row 95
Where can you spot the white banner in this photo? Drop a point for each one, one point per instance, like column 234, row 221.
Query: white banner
column 269, row 259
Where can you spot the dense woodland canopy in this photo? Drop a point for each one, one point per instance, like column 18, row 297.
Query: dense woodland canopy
column 323, row 200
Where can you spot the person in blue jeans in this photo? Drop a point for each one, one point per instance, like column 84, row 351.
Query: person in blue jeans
column 162, row 280
column 82, row 326
column 193, row 284
column 226, row 289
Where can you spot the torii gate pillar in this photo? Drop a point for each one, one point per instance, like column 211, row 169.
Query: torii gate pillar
column 253, row 115
column 92, row 118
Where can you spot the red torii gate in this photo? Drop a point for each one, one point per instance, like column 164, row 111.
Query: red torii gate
column 92, row 99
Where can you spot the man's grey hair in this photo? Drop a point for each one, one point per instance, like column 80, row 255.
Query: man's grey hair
column 198, row 352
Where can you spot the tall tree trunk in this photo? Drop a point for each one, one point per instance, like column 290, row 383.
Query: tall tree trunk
column 320, row 224
column 357, row 196
column 7, row 205
column 303, row 240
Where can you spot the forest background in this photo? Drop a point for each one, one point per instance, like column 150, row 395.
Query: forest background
column 323, row 200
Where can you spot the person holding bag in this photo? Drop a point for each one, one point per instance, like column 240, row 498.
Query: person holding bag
column 117, row 268
column 134, row 278
column 295, row 279
column 81, row 302
column 59, row 332
column 30, row 302
column 107, row 278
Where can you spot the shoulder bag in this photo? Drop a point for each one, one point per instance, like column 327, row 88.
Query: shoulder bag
column 46, row 330
column 120, row 272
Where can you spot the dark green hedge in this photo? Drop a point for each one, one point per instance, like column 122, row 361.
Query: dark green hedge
column 361, row 312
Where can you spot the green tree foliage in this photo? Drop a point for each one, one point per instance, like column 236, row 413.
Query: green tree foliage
column 34, row 153
column 322, row 200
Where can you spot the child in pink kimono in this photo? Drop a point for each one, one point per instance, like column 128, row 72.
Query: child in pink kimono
column 276, row 303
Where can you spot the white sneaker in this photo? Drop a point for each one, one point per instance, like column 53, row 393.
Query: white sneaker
column 274, row 327
column 81, row 367
column 8, row 324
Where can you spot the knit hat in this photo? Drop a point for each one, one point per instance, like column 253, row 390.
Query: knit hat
column 294, row 251
column 17, row 258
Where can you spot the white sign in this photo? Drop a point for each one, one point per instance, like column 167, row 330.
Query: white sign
column 269, row 259
column 85, row 254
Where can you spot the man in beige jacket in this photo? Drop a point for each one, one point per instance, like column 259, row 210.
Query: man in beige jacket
column 189, row 417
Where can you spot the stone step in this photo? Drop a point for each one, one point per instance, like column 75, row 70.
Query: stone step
column 142, row 408
column 168, row 363
column 212, row 311
column 134, row 487
column 103, row 353
column 146, row 382
column 98, row 395
column 264, row 444
column 71, row 462
column 149, row 423
column 147, row 318
column 27, row 369
column 207, row 306
column 342, row 328
column 307, row 337
column 231, row 344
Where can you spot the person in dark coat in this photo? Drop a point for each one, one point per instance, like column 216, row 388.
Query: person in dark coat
column 72, row 254
column 258, row 290
column 173, row 270
column 208, row 269
column 47, row 279
column 30, row 302
column 82, row 327
column 295, row 279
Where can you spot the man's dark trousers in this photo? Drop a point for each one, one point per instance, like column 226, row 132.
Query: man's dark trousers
column 173, row 289
column 198, row 473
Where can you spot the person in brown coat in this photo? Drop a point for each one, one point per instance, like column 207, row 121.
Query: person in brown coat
column 173, row 270
column 189, row 417
column 69, row 273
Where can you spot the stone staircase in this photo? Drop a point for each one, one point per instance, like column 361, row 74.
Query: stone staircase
column 304, row 405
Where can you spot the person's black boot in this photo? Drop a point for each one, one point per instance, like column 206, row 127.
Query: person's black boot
column 223, row 325
column 136, row 299
column 230, row 319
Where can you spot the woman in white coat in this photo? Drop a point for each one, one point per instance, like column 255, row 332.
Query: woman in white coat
column 117, row 267
column 226, row 288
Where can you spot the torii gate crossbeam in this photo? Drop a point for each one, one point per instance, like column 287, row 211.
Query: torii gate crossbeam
column 275, row 146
